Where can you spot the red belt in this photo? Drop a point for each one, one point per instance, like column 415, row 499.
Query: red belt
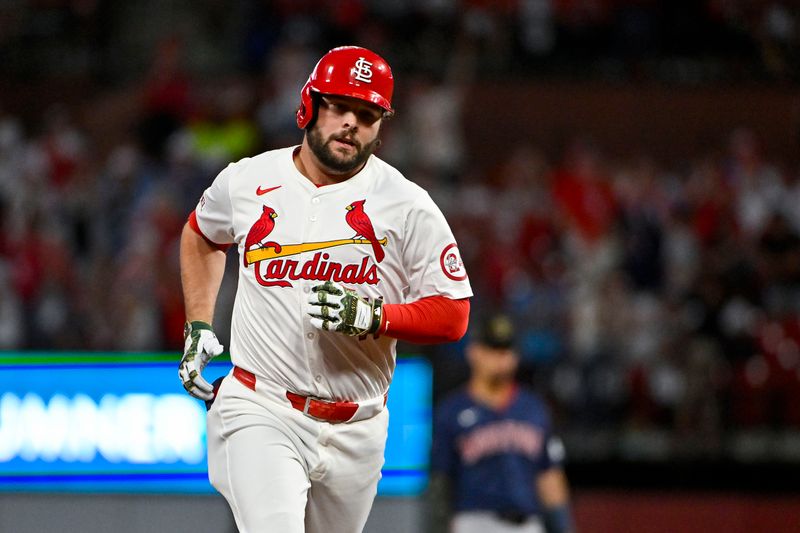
column 321, row 409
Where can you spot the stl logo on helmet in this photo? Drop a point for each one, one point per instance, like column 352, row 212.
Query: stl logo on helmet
column 363, row 70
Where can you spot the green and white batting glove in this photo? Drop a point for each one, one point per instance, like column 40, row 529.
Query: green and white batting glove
column 200, row 346
column 335, row 308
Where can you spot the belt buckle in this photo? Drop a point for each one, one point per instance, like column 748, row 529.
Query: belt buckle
column 324, row 404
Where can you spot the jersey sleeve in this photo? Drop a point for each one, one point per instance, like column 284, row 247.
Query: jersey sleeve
column 553, row 452
column 430, row 254
column 214, row 212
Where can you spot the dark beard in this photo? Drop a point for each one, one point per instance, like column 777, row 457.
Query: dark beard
column 337, row 163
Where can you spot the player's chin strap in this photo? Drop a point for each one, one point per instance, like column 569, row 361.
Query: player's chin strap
column 336, row 308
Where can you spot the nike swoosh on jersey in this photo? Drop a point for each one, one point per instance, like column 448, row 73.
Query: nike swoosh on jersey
column 261, row 191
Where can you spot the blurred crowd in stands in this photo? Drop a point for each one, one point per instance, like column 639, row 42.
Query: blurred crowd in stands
column 685, row 40
column 649, row 295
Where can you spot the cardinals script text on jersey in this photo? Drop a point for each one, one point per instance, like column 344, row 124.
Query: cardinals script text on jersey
column 320, row 267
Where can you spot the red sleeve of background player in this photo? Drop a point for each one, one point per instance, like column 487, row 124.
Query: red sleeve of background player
column 193, row 224
column 431, row 320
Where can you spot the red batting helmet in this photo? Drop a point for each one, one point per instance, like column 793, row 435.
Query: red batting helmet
column 348, row 71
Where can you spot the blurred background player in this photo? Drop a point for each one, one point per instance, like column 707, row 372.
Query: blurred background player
column 496, row 465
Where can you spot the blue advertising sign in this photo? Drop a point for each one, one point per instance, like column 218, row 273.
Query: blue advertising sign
column 119, row 422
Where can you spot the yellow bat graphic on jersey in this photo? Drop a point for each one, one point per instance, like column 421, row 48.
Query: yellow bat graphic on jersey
column 261, row 254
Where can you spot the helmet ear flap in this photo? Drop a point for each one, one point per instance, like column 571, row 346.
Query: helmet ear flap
column 306, row 111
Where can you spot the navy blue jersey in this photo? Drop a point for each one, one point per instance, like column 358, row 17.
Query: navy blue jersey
column 493, row 457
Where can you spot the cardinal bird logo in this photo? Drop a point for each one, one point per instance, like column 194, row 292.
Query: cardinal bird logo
column 359, row 220
column 260, row 231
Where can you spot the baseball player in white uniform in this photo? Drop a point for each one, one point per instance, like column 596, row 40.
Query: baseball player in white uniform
column 340, row 257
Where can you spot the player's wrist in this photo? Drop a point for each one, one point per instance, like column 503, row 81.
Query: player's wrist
column 558, row 519
column 377, row 317
column 195, row 325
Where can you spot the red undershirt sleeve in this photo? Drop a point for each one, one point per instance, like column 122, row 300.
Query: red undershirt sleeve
column 193, row 224
column 431, row 320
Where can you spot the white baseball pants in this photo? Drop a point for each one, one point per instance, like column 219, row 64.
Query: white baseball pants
column 283, row 472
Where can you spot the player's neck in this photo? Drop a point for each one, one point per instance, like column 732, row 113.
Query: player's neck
column 494, row 393
column 309, row 166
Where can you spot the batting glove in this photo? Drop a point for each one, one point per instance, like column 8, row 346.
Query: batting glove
column 335, row 308
column 199, row 347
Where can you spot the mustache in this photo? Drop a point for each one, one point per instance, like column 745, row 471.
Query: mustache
column 349, row 137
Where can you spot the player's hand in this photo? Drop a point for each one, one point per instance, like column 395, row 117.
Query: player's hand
column 335, row 308
column 199, row 347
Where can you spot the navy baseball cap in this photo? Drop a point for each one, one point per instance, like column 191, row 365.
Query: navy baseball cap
column 496, row 331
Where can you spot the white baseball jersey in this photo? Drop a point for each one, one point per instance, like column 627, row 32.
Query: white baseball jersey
column 376, row 232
